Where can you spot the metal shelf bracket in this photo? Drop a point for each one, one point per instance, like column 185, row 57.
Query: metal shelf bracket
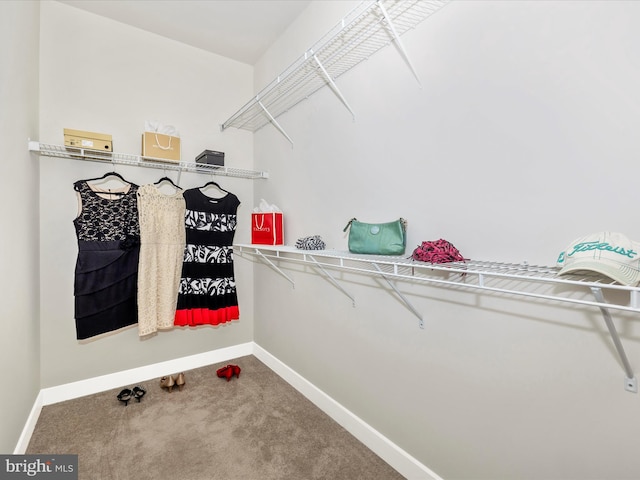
column 402, row 297
column 274, row 266
column 399, row 43
column 630, row 382
column 274, row 122
column 333, row 86
column 634, row 299
column 332, row 279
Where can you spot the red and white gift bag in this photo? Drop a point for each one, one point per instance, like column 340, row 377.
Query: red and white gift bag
column 266, row 228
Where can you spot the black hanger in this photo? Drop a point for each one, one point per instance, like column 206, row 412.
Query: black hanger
column 108, row 174
column 215, row 185
column 167, row 179
column 111, row 174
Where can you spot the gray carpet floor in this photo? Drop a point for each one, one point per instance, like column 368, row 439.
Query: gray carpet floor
column 255, row 427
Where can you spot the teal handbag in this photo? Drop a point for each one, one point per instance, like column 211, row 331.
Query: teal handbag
column 377, row 238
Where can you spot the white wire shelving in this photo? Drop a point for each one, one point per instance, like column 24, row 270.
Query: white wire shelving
column 368, row 28
column 61, row 151
column 538, row 282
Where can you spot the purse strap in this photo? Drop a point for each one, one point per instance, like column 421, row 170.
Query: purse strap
column 349, row 224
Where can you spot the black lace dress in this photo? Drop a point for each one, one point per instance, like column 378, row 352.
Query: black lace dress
column 106, row 273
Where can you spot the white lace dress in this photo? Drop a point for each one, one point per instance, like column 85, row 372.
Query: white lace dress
column 162, row 242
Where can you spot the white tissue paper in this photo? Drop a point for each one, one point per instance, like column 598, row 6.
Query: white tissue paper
column 266, row 207
column 157, row 127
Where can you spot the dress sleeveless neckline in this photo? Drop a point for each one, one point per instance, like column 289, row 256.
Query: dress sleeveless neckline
column 119, row 194
column 213, row 199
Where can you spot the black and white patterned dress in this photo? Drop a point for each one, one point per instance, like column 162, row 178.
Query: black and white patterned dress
column 207, row 294
column 106, row 273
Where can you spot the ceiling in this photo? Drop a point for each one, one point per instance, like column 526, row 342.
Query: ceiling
column 238, row 29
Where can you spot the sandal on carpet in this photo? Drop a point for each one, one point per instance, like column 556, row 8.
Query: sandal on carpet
column 124, row 396
column 138, row 392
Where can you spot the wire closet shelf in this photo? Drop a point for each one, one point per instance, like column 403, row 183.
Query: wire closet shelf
column 61, row 151
column 523, row 279
column 537, row 282
column 366, row 29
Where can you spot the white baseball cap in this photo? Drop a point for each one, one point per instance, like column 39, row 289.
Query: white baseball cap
column 608, row 253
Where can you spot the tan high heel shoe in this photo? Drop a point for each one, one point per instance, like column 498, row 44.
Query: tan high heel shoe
column 180, row 381
column 167, row 382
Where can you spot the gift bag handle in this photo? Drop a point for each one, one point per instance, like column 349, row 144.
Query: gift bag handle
column 158, row 142
column 273, row 227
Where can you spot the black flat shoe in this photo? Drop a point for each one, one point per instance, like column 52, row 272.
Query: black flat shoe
column 124, row 396
column 138, row 392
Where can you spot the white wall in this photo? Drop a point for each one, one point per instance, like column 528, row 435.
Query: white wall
column 19, row 339
column 522, row 138
column 103, row 76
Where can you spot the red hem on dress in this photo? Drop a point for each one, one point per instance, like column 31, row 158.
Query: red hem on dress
column 204, row 316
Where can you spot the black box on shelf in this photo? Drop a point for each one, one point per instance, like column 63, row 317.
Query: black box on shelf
column 211, row 157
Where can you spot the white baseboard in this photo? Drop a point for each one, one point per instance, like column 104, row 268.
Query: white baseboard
column 29, row 427
column 400, row 460
column 90, row 386
column 404, row 463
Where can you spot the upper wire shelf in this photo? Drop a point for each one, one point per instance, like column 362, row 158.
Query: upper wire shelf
column 369, row 27
column 61, row 151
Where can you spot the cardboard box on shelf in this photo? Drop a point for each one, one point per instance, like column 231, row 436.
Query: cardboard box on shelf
column 75, row 140
column 211, row 157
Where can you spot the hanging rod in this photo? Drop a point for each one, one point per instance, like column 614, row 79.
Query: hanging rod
column 61, row 151
column 368, row 28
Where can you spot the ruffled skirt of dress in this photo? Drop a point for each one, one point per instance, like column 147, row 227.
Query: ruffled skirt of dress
column 207, row 295
column 105, row 287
